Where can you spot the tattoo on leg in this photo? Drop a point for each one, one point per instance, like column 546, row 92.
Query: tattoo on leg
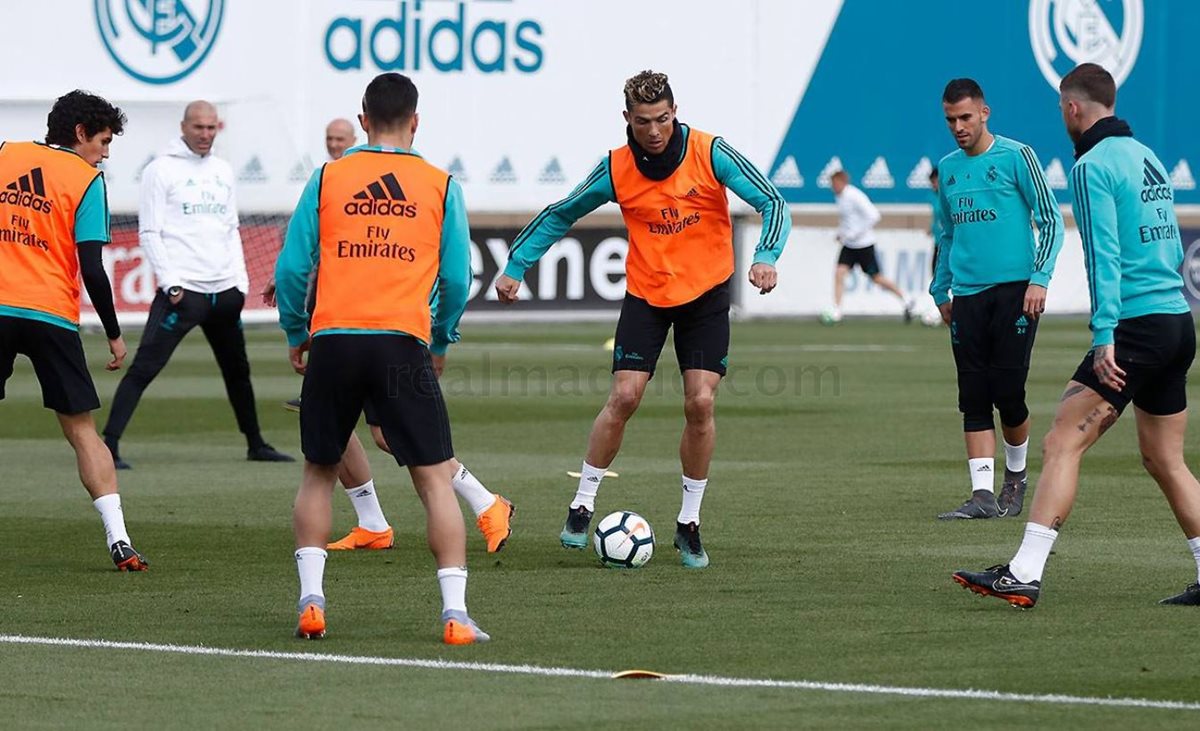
column 1057, row 523
column 1109, row 419
column 1071, row 391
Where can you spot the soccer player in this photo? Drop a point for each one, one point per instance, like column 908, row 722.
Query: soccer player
column 493, row 512
column 1143, row 337
column 188, row 227
column 857, row 217
column 991, row 188
column 670, row 182
column 53, row 226
column 385, row 228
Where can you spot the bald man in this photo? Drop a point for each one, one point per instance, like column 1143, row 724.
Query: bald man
column 339, row 137
column 188, row 229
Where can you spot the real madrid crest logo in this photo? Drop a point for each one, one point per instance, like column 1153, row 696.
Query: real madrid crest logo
column 1066, row 33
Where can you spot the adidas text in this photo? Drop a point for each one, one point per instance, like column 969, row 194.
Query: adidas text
column 26, row 200
column 381, row 207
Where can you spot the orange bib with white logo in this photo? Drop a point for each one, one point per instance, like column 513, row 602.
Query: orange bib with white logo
column 680, row 235
column 41, row 188
column 380, row 233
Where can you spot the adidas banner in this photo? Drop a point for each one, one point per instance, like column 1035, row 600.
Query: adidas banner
column 800, row 88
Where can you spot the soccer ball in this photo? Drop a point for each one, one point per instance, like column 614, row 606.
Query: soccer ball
column 931, row 318
column 830, row 316
column 624, row 540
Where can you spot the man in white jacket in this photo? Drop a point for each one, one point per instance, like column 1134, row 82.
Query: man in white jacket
column 857, row 217
column 188, row 228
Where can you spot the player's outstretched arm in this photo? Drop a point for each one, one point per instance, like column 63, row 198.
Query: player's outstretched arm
column 454, row 275
column 747, row 182
column 1096, row 215
column 1046, row 216
column 296, row 260
column 551, row 225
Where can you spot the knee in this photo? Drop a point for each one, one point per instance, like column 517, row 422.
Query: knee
column 698, row 408
column 1060, row 442
column 624, row 400
column 1009, row 389
column 1159, row 466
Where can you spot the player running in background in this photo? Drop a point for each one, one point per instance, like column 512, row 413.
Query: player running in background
column 188, row 228
column 857, row 217
column 670, row 181
column 54, row 214
column 1143, row 337
column 990, row 190
column 385, row 228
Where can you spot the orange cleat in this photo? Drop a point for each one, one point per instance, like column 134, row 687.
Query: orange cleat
column 462, row 630
column 494, row 523
column 312, row 620
column 361, row 538
column 127, row 559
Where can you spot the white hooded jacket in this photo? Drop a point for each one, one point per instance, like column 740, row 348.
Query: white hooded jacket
column 188, row 222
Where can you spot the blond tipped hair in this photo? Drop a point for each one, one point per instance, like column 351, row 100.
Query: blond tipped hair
column 647, row 87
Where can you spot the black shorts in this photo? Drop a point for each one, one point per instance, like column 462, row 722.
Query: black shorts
column 701, row 333
column 863, row 258
column 1155, row 351
column 394, row 374
column 58, row 362
column 989, row 330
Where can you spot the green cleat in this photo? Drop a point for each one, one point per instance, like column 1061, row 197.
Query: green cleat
column 575, row 531
column 687, row 541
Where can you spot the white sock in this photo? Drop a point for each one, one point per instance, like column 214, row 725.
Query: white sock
column 693, row 495
column 109, row 507
column 454, row 588
column 589, row 485
column 1194, row 544
column 1031, row 557
column 472, row 490
column 1014, row 457
column 366, row 505
column 310, row 564
column 983, row 472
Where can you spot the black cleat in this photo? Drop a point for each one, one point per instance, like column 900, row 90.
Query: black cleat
column 1190, row 597
column 981, row 505
column 999, row 582
column 267, row 453
column 127, row 559
column 1012, row 494
column 116, row 455
column 575, row 532
column 292, row 405
column 691, row 550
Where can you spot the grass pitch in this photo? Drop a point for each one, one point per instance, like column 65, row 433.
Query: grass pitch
column 836, row 449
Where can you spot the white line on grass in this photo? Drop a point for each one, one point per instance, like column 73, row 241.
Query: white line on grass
column 811, row 348
column 709, row 680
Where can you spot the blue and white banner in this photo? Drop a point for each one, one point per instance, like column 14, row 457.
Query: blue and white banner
column 873, row 106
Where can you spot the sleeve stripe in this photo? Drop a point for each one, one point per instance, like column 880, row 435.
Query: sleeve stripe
column 1084, row 208
column 597, row 173
column 1048, row 231
column 758, row 180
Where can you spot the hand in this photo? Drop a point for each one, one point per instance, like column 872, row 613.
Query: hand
column 764, row 277
column 296, row 356
column 439, row 364
column 1104, row 365
column 507, row 289
column 175, row 299
column 268, row 293
column 1035, row 301
column 946, row 308
column 116, row 346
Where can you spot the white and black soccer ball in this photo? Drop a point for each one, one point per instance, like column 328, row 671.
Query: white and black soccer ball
column 624, row 540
